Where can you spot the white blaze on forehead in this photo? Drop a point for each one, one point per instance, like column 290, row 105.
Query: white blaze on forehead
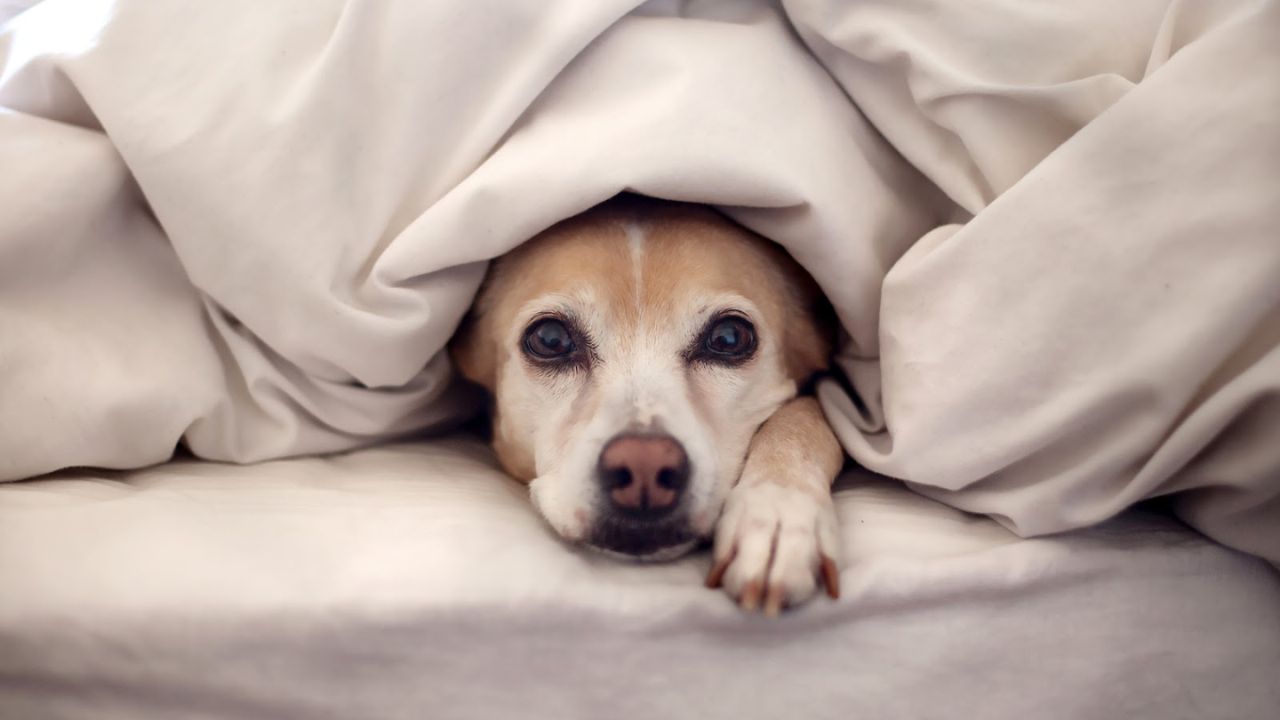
column 635, row 241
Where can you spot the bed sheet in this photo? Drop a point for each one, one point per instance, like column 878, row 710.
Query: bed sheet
column 415, row 580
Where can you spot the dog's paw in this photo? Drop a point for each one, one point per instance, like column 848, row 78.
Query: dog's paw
column 774, row 544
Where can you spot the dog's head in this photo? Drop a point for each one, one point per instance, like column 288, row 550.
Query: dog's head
column 632, row 352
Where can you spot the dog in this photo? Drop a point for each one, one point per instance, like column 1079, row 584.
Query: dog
column 645, row 361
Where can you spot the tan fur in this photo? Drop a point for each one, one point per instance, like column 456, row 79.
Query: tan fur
column 797, row 434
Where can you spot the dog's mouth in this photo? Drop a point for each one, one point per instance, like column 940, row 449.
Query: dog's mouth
column 646, row 541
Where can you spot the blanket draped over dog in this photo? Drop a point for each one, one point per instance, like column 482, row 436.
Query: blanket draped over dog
column 1050, row 229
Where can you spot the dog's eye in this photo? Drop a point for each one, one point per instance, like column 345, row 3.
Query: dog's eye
column 730, row 338
column 548, row 340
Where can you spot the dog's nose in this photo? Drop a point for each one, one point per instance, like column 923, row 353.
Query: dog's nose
column 644, row 474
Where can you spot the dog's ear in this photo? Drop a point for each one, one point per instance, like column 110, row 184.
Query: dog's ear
column 473, row 353
column 809, row 343
column 810, row 336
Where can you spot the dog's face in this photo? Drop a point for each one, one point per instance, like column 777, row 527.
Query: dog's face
column 632, row 352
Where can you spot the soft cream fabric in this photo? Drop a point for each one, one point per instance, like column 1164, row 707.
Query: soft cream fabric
column 415, row 581
column 1049, row 229
column 12, row 8
column 1106, row 326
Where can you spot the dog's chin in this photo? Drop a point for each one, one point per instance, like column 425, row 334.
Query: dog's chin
column 666, row 554
column 642, row 542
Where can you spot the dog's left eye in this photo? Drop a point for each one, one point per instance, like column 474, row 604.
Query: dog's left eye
column 549, row 339
column 729, row 338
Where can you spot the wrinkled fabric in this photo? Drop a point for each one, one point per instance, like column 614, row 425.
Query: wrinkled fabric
column 1105, row 328
column 416, row 581
column 1048, row 231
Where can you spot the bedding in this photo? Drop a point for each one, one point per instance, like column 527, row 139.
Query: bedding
column 1049, row 231
column 415, row 580
column 247, row 230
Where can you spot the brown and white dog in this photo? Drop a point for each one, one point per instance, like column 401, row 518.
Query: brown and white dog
column 645, row 359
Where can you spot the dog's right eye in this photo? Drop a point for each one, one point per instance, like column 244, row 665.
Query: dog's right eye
column 548, row 339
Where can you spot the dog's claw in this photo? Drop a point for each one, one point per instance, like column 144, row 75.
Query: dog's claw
column 751, row 596
column 715, row 578
column 830, row 576
column 775, row 600
column 778, row 546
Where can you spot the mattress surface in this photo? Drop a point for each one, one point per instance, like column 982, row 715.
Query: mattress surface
column 415, row 580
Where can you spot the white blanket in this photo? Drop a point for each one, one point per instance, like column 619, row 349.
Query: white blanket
column 1049, row 230
column 416, row 581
